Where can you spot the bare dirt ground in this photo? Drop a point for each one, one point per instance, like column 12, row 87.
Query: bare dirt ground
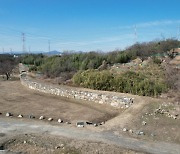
column 13, row 128
column 158, row 127
column 35, row 144
column 18, row 99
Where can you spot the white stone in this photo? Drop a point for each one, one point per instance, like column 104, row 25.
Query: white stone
column 41, row 117
column 60, row 121
column 124, row 130
column 101, row 102
column 95, row 125
column 131, row 131
column 8, row 114
column 140, row 133
column 144, row 123
column 20, row 116
column 50, row 119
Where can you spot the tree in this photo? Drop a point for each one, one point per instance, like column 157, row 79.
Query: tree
column 7, row 63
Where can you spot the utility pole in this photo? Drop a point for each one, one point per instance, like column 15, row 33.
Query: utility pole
column 49, row 46
column 23, row 45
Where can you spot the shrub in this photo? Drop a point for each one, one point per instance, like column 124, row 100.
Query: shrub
column 156, row 60
column 128, row 82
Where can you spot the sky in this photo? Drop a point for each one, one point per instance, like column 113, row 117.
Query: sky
column 85, row 25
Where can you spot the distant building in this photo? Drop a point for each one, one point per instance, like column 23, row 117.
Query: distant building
column 15, row 56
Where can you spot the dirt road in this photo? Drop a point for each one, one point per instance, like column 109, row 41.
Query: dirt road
column 13, row 126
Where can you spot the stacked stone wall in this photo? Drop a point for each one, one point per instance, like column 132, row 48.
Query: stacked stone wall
column 101, row 97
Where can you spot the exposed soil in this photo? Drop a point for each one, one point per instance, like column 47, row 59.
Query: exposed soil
column 18, row 99
column 158, row 127
column 35, row 144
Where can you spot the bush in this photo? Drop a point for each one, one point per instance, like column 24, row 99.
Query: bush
column 33, row 59
column 128, row 82
column 70, row 62
column 33, row 68
column 156, row 60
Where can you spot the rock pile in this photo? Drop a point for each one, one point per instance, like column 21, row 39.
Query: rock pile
column 165, row 112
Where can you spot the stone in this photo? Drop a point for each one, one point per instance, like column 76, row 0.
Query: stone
column 174, row 117
column 89, row 123
column 152, row 134
column 127, row 106
column 20, row 116
column 80, row 124
column 124, row 130
column 31, row 116
column 61, row 145
column 8, row 114
column 144, row 123
column 41, row 117
column 24, row 142
column 101, row 102
column 57, row 147
column 102, row 123
column 176, row 114
column 95, row 125
column 60, row 121
column 50, row 119
column 68, row 122
column 131, row 131
column 140, row 133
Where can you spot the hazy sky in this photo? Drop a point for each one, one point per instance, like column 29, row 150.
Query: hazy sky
column 85, row 24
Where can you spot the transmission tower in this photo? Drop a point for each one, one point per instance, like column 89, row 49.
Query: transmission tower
column 23, row 45
column 3, row 50
column 49, row 46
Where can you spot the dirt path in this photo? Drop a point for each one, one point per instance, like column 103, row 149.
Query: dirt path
column 13, row 126
column 128, row 115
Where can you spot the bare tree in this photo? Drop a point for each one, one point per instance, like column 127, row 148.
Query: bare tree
column 7, row 63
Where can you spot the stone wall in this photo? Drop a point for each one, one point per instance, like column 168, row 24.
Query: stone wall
column 110, row 98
